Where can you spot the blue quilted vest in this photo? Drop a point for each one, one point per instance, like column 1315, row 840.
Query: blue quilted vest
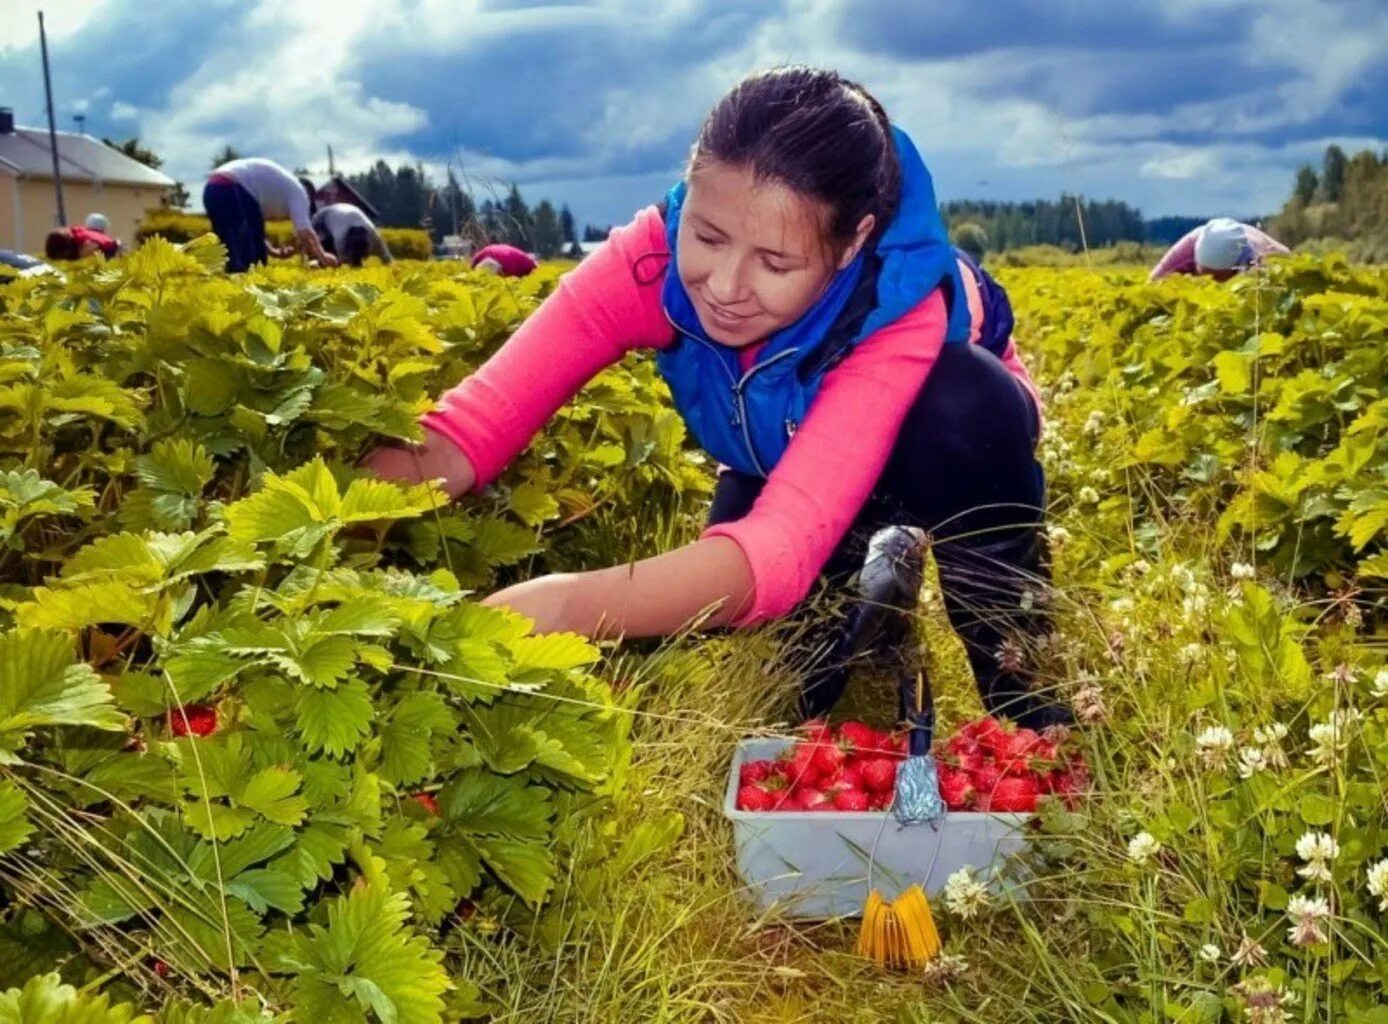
column 746, row 419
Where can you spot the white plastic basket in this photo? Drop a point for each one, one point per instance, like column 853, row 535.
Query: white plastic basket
column 814, row 864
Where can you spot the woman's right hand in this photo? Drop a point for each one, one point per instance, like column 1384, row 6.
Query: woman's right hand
column 437, row 458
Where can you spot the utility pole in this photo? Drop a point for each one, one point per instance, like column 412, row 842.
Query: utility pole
column 332, row 173
column 52, row 131
column 81, row 121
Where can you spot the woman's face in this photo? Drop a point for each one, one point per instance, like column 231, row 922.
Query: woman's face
column 751, row 253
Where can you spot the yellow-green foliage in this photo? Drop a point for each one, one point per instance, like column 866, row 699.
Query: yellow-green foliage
column 177, row 226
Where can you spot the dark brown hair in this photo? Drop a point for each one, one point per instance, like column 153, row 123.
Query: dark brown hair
column 61, row 245
column 815, row 132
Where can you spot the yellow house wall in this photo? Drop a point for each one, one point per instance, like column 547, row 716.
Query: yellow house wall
column 28, row 209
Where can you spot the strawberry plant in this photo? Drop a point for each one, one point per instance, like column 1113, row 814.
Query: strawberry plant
column 255, row 733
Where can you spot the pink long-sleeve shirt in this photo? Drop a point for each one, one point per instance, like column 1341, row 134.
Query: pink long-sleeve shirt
column 611, row 304
column 1180, row 258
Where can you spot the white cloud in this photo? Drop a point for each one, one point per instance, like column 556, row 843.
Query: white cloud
column 122, row 111
column 19, row 28
column 1179, row 165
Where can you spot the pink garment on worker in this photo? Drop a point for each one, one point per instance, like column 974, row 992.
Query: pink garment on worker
column 611, row 304
column 1180, row 258
column 513, row 262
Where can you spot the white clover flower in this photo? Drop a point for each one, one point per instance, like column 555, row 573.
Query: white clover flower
column 1183, row 576
column 1142, row 846
column 1088, row 496
column 944, row 969
column 1318, row 849
column 1210, row 953
column 1094, row 423
column 1196, row 601
column 1343, row 674
column 1214, row 743
column 1140, row 568
column 1274, row 732
column 964, row 894
column 1308, row 915
column 1252, row 760
column 1242, row 571
column 1270, row 737
column 1262, row 1002
column 1121, row 605
column 1379, row 687
column 1378, row 883
column 1191, row 654
column 1058, row 535
column 1328, row 739
column 1090, row 704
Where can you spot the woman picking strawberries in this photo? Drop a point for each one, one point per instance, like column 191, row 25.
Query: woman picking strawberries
column 814, row 326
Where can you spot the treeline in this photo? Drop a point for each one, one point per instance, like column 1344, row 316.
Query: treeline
column 1011, row 225
column 406, row 196
column 1343, row 204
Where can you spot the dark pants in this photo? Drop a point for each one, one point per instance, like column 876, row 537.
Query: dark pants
column 238, row 221
column 963, row 469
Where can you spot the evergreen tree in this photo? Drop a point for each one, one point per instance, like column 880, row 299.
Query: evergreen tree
column 1333, row 174
column 225, row 156
column 133, row 149
column 517, row 224
column 546, row 234
column 566, row 225
column 1306, row 184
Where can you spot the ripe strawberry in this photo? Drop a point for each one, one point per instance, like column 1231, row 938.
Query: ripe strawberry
column 817, row 730
column 956, row 789
column 428, row 801
column 878, row 774
column 799, row 766
column 1070, row 786
column 814, row 800
column 850, row 800
column 1015, row 795
column 961, row 743
column 160, row 968
column 193, row 719
column 828, row 759
column 465, row 910
column 880, row 801
column 788, row 801
column 967, row 757
column 986, row 779
column 858, row 737
column 754, row 771
column 982, row 730
column 754, row 798
column 852, row 775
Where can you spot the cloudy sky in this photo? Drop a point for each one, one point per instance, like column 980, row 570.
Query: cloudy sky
column 1196, row 107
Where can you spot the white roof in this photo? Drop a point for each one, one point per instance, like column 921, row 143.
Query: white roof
column 25, row 152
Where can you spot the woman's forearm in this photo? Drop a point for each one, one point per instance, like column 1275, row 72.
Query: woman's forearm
column 709, row 581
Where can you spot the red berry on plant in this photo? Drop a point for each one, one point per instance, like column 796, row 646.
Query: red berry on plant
column 193, row 720
column 428, row 801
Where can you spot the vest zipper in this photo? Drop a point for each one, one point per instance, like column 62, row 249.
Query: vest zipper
column 739, row 419
column 741, row 407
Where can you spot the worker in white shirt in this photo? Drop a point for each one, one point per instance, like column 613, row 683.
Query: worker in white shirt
column 347, row 232
column 241, row 195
